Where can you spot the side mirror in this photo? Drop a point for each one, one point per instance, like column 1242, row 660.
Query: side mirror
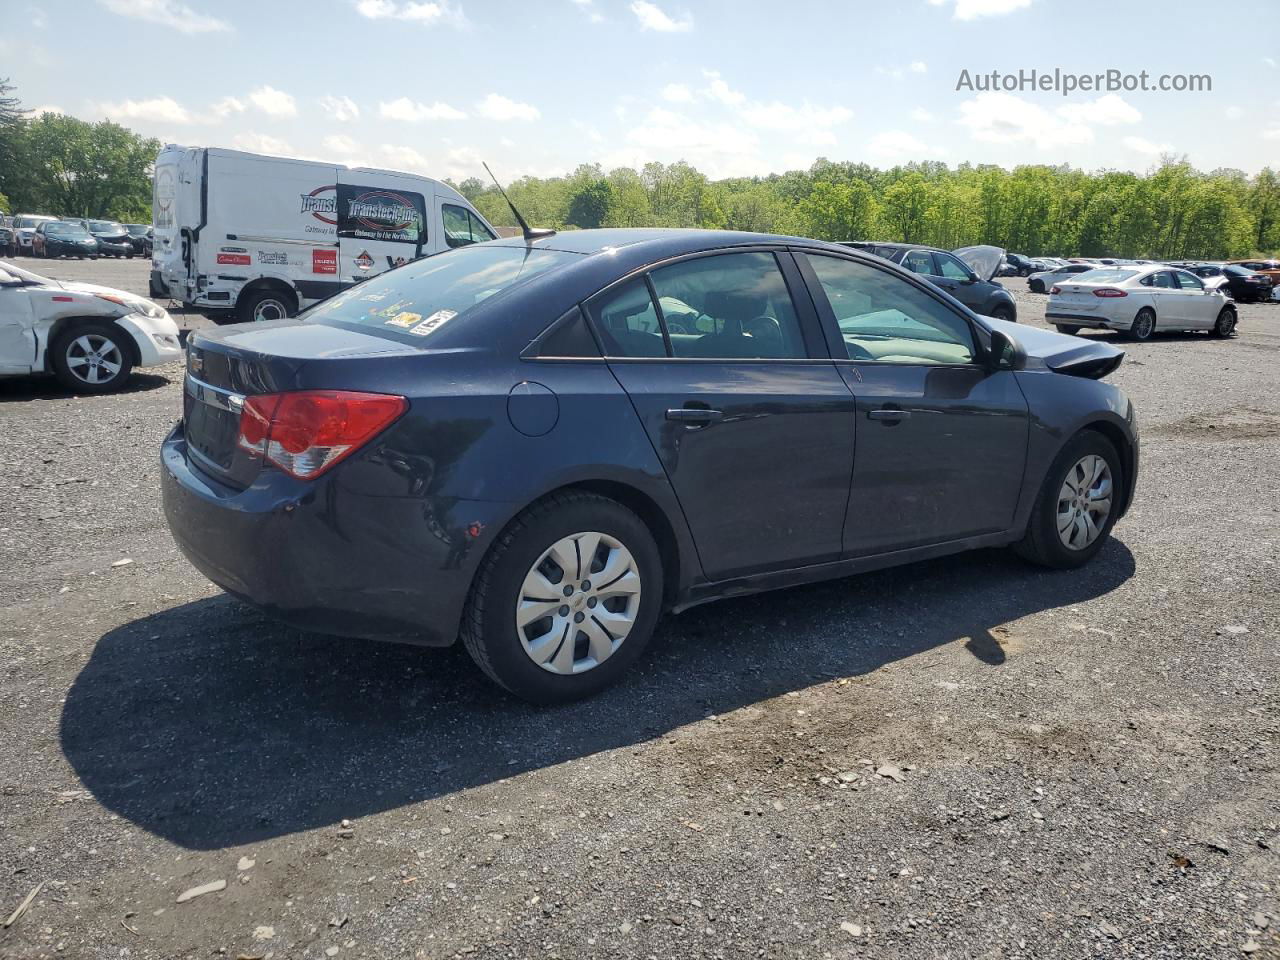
column 1005, row 353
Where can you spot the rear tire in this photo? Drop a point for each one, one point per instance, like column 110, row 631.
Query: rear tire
column 1042, row 544
column 74, row 352
column 489, row 629
column 1066, row 328
column 1144, row 325
column 1225, row 327
column 263, row 305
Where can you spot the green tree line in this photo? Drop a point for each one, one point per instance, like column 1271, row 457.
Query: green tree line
column 60, row 165
column 1172, row 212
column 66, row 167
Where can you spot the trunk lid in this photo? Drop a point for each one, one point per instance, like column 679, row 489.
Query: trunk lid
column 230, row 363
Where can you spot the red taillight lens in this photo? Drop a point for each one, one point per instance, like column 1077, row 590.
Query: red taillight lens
column 1056, row 290
column 1109, row 292
column 306, row 432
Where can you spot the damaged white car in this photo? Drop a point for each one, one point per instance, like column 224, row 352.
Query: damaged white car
column 90, row 337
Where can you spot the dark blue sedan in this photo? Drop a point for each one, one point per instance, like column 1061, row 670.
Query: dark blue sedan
column 541, row 445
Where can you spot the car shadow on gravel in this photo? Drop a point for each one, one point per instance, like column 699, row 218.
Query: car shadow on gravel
column 18, row 389
column 211, row 726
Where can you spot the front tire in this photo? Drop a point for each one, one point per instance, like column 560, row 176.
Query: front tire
column 1144, row 325
column 1225, row 326
column 1077, row 504
column 93, row 358
column 1066, row 328
column 566, row 599
column 1004, row 313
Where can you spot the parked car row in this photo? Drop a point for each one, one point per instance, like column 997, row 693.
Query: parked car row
column 956, row 272
column 37, row 235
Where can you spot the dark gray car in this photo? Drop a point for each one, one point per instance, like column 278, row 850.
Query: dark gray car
column 541, row 445
column 950, row 273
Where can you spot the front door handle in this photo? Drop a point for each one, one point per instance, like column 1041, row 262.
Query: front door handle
column 888, row 414
column 694, row 415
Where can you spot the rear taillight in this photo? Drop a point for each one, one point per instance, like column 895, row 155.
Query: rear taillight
column 1055, row 291
column 306, row 432
column 1109, row 292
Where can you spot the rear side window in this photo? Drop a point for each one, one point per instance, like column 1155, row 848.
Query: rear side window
column 416, row 300
column 462, row 227
column 1187, row 282
column 377, row 213
column 918, row 261
column 732, row 306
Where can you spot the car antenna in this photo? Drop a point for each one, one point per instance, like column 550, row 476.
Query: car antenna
column 530, row 233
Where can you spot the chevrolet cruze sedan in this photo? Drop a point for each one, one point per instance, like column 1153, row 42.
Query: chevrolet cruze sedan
column 541, row 445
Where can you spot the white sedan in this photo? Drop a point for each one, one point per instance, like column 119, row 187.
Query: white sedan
column 1139, row 300
column 1041, row 282
column 90, row 337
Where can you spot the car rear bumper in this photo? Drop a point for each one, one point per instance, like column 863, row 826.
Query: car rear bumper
column 323, row 557
column 1087, row 320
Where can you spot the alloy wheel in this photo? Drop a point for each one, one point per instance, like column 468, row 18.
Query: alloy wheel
column 1144, row 326
column 578, row 602
column 1084, row 502
column 93, row 358
column 270, row 309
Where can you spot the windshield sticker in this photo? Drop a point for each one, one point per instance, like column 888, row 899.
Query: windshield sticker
column 433, row 322
column 405, row 319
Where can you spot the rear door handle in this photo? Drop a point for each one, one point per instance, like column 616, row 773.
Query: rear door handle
column 886, row 413
column 694, row 415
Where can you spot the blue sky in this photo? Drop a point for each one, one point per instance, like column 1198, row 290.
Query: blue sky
column 736, row 87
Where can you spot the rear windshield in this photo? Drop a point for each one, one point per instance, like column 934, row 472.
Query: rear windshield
column 420, row 298
column 1237, row 271
column 1104, row 275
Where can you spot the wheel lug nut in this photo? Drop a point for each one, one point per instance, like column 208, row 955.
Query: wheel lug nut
column 568, row 591
column 564, row 611
column 591, row 602
column 586, row 584
column 579, row 617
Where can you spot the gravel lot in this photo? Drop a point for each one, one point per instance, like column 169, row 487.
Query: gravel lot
column 963, row 758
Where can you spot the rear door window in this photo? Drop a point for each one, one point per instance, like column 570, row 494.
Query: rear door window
column 379, row 213
column 950, row 267
column 919, row 261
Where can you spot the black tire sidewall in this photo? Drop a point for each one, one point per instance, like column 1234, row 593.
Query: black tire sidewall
column 1053, row 551
column 69, row 380
column 1067, row 329
column 1217, row 325
column 507, row 659
column 1133, row 328
column 246, row 308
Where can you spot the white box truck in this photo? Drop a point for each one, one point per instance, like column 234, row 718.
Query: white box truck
column 246, row 237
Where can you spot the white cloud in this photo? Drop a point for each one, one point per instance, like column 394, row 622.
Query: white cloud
column 588, row 7
column 411, row 111
column 167, row 13
column 896, row 146
column 273, row 102
column 918, row 66
column 1271, row 134
column 342, row 109
column 341, row 143
column 677, row 93
column 1234, row 112
column 1147, row 147
column 973, row 9
column 717, row 149
column 652, row 17
column 921, row 115
column 1270, row 62
column 426, row 13
column 1107, row 111
column 497, row 107
column 1005, row 118
column 718, row 89
column 262, row 143
column 41, row 110
column 155, row 110
column 897, row 73
column 225, row 107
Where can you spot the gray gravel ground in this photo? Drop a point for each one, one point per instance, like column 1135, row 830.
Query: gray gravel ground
column 1085, row 763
